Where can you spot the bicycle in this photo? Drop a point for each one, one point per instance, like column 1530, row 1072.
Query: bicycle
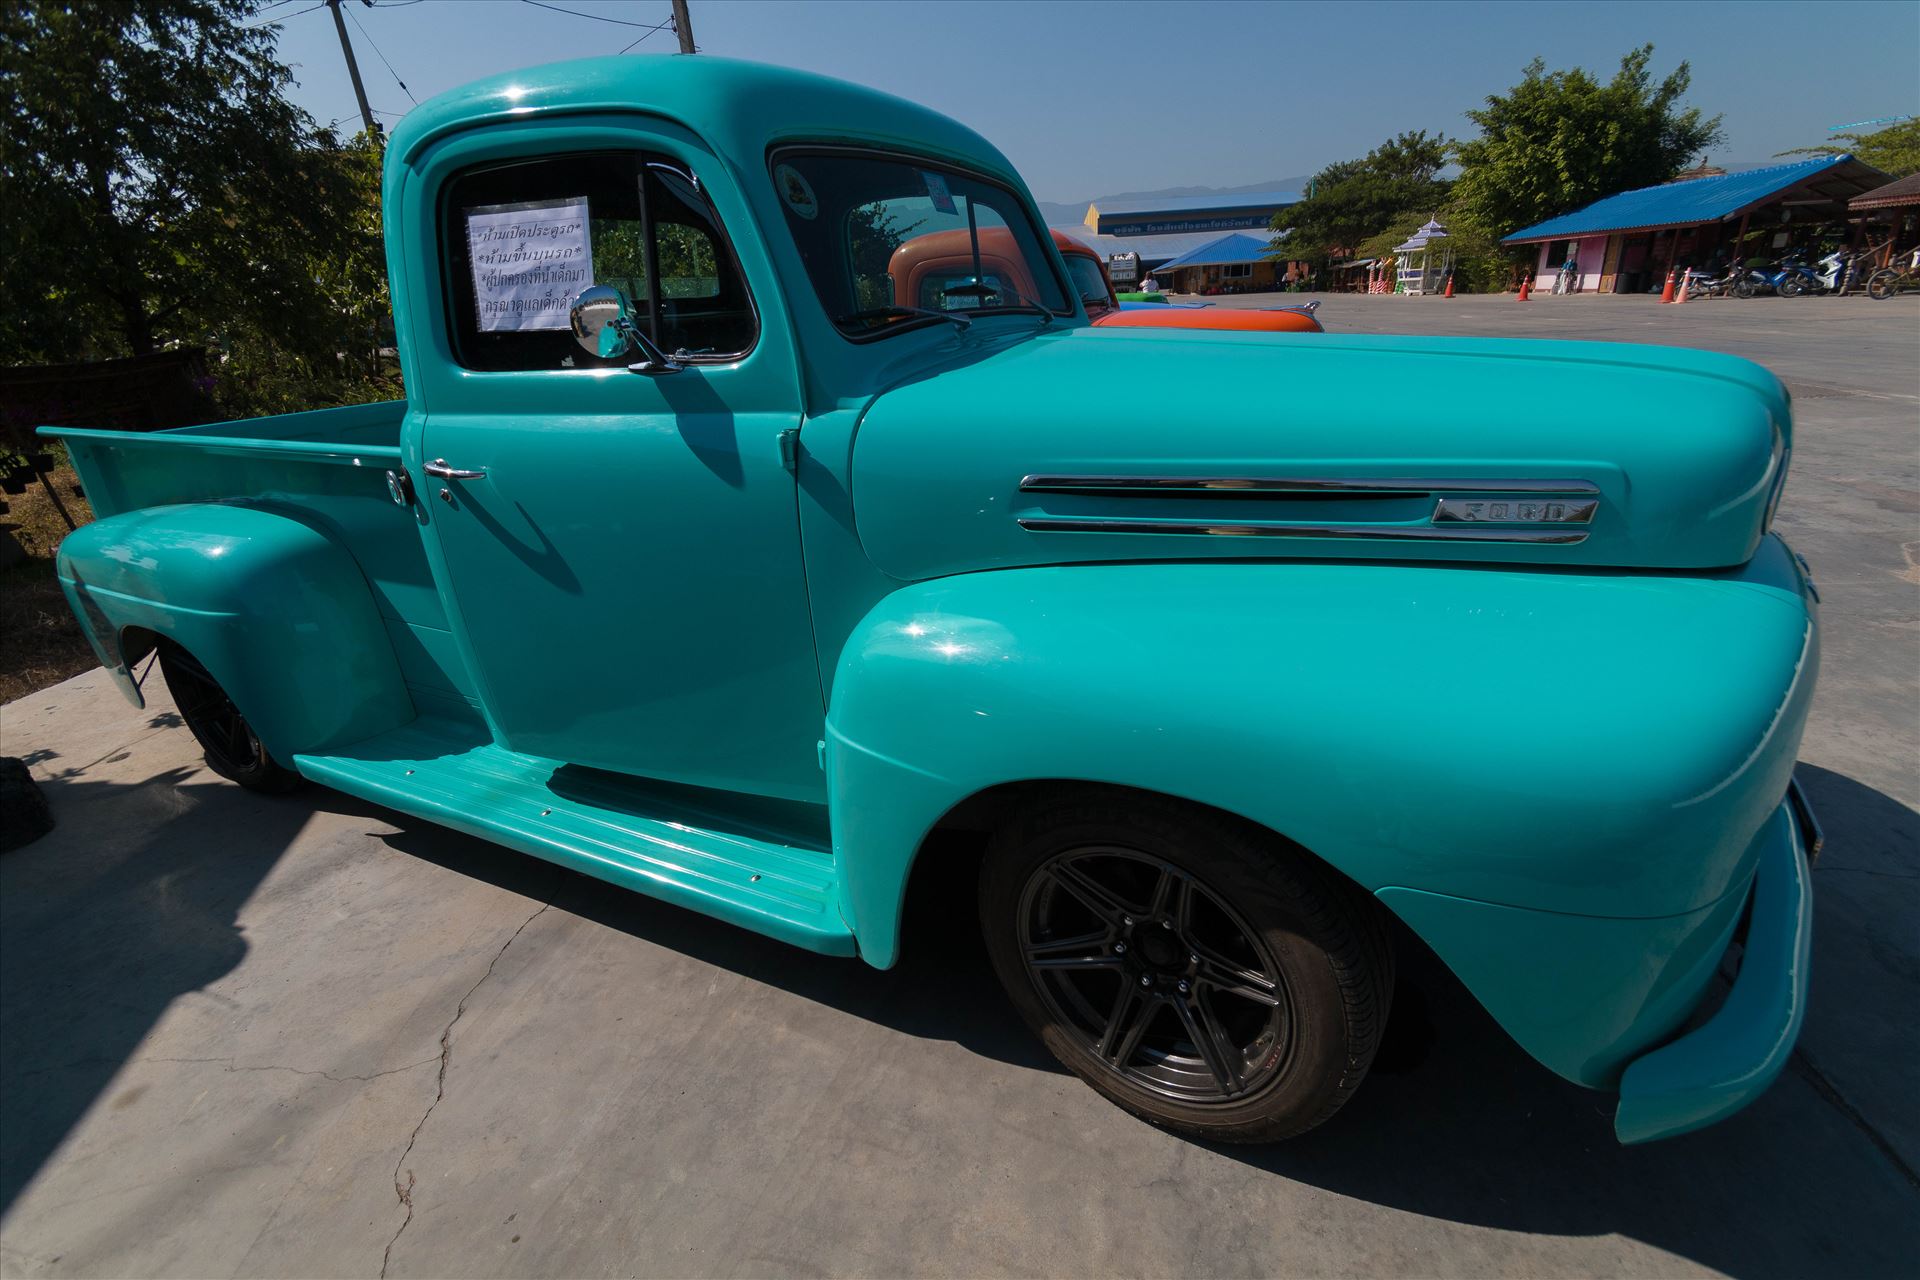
column 1888, row 281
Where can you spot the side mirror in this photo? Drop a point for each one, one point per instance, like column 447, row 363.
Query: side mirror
column 603, row 326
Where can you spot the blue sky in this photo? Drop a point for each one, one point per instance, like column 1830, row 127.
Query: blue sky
column 1090, row 98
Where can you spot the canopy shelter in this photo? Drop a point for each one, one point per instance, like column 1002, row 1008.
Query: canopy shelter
column 1425, row 257
column 1627, row 242
column 1889, row 217
column 1898, row 194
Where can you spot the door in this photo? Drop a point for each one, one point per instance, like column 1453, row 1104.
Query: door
column 1610, row 269
column 620, row 549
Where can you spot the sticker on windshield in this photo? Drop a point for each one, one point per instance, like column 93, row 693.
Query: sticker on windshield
column 796, row 191
column 937, row 191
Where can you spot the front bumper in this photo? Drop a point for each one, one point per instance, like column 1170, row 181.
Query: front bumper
column 1728, row 1061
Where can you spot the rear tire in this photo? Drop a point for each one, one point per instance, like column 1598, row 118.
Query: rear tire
column 232, row 748
column 1880, row 284
column 1206, row 975
column 1792, row 287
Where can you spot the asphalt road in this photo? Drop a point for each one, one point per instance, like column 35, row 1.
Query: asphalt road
column 304, row 1036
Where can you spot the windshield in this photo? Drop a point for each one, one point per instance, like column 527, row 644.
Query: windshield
column 886, row 241
column 1089, row 280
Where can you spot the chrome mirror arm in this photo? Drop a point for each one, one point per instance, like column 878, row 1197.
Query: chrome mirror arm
column 655, row 361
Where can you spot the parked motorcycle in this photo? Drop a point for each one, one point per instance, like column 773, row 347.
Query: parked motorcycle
column 1701, row 283
column 1832, row 271
column 1786, row 278
column 1797, row 278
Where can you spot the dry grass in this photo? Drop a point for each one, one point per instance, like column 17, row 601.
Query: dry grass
column 40, row 642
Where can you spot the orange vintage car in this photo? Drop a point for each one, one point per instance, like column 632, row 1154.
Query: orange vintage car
column 926, row 267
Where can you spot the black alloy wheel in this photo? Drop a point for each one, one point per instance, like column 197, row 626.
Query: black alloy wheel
column 1159, row 977
column 232, row 748
column 1205, row 974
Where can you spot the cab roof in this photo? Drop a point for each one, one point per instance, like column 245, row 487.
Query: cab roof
column 740, row 108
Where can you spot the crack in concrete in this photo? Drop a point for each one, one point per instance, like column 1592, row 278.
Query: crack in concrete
column 226, row 1064
column 1811, row 1073
column 405, row 1191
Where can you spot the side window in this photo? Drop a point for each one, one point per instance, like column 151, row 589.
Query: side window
column 522, row 240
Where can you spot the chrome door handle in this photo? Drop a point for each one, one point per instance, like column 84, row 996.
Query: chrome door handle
column 439, row 467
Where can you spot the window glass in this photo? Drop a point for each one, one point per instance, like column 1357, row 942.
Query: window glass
column 1087, row 278
column 523, row 240
column 886, row 239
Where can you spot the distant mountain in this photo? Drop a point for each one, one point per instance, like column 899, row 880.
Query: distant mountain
column 1069, row 213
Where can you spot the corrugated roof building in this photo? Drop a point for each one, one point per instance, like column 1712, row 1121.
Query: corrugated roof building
column 1233, row 263
column 1627, row 243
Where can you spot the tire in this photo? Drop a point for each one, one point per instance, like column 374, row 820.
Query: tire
column 232, row 748
column 1129, row 929
column 1743, row 288
column 1880, row 284
column 1792, row 287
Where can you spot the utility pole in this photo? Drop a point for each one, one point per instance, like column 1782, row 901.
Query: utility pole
column 353, row 68
column 682, row 25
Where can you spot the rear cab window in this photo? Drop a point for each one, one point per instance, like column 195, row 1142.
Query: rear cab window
column 521, row 241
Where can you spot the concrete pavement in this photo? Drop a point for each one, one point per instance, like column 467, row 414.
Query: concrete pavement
column 303, row 1036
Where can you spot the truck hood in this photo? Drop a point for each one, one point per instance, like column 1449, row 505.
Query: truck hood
column 1074, row 445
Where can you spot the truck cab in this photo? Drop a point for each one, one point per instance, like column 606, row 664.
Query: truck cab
column 704, row 559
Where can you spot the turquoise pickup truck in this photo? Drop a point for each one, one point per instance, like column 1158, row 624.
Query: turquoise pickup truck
column 697, row 561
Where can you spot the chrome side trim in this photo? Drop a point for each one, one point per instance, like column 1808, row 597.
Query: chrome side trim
column 1302, row 484
column 1373, row 532
column 1812, row 834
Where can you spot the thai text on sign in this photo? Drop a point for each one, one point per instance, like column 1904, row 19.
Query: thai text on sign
column 530, row 261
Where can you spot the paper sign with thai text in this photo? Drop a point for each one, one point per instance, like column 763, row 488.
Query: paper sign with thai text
column 530, row 261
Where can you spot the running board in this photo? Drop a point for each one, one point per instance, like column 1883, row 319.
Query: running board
column 652, row 838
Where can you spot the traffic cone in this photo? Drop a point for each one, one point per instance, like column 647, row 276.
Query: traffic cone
column 1449, row 292
column 1686, row 278
column 1666, row 294
column 1526, row 287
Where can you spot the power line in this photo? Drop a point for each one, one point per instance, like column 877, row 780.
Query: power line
column 383, row 59
column 650, row 30
column 597, row 17
column 283, row 17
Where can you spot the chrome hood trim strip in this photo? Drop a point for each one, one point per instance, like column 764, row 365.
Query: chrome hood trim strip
column 1301, row 484
column 1372, row 532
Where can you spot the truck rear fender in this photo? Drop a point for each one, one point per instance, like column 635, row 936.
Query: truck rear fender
column 1598, row 744
column 279, row 614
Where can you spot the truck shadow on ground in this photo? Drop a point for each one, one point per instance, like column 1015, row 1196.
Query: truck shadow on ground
column 1455, row 1122
column 100, row 934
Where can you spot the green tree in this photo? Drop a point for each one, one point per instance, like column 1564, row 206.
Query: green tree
column 1354, row 200
column 1560, row 140
column 1894, row 149
column 157, row 186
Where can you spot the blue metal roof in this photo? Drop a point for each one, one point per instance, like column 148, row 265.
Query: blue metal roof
column 1228, row 249
column 1679, row 204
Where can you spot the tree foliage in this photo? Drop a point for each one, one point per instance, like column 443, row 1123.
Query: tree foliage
column 1353, row 200
column 1894, row 149
column 157, row 186
column 1560, row 140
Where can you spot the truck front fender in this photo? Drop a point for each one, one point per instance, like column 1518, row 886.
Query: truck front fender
column 278, row 613
column 1602, row 744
